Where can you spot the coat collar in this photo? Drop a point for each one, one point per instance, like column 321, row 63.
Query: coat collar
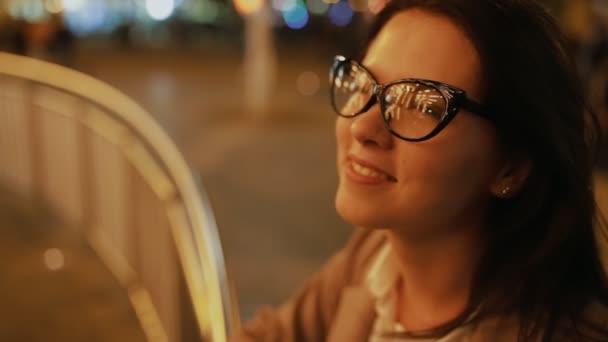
column 355, row 316
column 358, row 306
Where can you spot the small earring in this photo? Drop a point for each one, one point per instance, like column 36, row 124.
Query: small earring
column 505, row 191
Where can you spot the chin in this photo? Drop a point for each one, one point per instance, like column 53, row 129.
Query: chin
column 358, row 214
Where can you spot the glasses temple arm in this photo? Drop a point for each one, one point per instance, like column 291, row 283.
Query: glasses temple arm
column 475, row 107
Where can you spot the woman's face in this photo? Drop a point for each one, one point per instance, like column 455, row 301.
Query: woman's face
column 439, row 183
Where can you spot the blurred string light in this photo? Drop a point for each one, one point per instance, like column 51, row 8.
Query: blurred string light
column 160, row 9
column 341, row 14
column 318, row 7
column 296, row 17
column 247, row 7
column 85, row 17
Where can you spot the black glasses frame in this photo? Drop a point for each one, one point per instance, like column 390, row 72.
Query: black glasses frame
column 456, row 99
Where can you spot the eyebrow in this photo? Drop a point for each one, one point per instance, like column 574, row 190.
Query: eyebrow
column 385, row 80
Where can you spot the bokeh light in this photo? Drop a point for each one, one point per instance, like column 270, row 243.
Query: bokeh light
column 53, row 259
column 317, row 6
column 297, row 17
column 33, row 11
column 53, row 6
column 284, row 5
column 28, row 10
column 73, row 5
column 308, row 83
column 159, row 9
column 87, row 19
column 340, row 13
column 247, row 7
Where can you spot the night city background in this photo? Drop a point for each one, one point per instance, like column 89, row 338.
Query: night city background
column 241, row 88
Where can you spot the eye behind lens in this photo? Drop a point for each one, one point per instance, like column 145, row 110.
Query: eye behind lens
column 413, row 110
column 351, row 89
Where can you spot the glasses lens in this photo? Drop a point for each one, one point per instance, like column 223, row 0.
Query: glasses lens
column 352, row 88
column 413, row 110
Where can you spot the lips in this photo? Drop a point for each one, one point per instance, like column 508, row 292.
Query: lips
column 368, row 172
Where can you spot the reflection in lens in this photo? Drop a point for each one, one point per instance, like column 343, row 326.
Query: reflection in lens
column 352, row 89
column 413, row 110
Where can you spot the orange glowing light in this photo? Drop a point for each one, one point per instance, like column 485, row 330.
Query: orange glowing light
column 247, row 7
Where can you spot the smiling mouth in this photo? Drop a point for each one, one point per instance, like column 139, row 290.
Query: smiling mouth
column 368, row 172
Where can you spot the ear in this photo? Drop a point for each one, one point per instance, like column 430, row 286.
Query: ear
column 511, row 177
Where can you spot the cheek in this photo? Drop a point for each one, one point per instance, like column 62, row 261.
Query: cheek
column 449, row 172
column 469, row 145
column 343, row 136
column 479, row 152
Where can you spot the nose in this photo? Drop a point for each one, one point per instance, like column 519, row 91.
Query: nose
column 369, row 129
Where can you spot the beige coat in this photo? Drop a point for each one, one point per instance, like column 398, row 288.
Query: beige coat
column 336, row 306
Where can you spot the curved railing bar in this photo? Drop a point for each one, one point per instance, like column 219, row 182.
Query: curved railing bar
column 204, row 230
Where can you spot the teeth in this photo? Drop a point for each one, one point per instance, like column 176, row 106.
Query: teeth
column 367, row 172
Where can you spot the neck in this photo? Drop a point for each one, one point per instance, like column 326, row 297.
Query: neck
column 436, row 276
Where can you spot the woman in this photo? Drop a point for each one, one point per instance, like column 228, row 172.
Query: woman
column 464, row 153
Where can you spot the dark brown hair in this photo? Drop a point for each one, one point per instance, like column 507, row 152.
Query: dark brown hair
column 541, row 263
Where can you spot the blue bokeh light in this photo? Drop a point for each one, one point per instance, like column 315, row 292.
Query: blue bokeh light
column 88, row 18
column 341, row 14
column 296, row 17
